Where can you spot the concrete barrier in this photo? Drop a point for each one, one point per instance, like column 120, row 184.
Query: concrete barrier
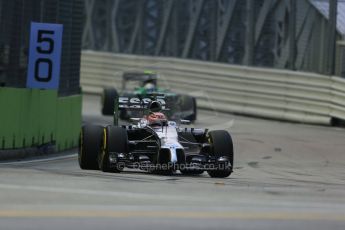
column 270, row 93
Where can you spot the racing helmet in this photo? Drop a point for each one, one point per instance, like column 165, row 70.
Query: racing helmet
column 157, row 119
column 149, row 86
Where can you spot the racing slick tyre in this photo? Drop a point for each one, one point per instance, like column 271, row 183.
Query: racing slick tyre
column 90, row 142
column 221, row 146
column 115, row 140
column 189, row 103
column 194, row 116
column 108, row 96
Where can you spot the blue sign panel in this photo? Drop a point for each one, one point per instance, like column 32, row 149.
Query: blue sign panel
column 44, row 56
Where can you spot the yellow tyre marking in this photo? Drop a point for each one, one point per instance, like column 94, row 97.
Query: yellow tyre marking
column 104, row 139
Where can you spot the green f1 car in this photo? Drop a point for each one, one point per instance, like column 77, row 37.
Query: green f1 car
column 181, row 106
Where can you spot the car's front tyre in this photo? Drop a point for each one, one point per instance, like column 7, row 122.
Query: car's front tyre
column 221, row 147
column 90, row 142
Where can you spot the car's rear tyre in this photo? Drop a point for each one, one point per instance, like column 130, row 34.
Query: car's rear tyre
column 221, row 146
column 189, row 104
column 194, row 116
column 115, row 140
column 90, row 142
column 108, row 97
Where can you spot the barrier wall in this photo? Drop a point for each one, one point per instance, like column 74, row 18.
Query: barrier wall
column 270, row 93
column 30, row 118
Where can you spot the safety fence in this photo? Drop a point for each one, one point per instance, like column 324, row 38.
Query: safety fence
column 15, row 19
column 270, row 93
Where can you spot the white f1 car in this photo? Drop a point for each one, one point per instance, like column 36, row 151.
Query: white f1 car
column 154, row 144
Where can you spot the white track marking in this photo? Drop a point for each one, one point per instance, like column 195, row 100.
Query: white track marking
column 96, row 192
column 39, row 160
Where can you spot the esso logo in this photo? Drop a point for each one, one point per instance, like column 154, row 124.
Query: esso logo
column 136, row 101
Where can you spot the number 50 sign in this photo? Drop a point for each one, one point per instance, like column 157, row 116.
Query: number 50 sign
column 44, row 56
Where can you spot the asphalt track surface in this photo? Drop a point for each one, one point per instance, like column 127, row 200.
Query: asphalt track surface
column 287, row 176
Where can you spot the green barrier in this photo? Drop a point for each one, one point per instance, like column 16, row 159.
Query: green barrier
column 68, row 122
column 31, row 117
